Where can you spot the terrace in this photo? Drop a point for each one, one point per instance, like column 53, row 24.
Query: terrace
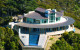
column 68, row 21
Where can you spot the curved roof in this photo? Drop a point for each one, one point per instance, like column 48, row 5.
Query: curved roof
column 35, row 15
column 68, row 22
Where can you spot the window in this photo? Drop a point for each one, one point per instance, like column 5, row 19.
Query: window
column 24, row 19
column 44, row 20
column 67, row 27
column 51, row 19
column 57, row 18
column 29, row 20
column 23, row 30
column 52, row 14
column 36, row 29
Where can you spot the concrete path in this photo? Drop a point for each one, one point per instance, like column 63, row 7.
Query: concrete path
column 77, row 30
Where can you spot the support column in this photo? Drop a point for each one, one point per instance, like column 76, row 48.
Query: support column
column 48, row 18
column 69, row 26
column 56, row 28
column 27, row 38
column 44, row 30
column 25, row 30
column 29, row 30
column 40, row 30
column 65, row 28
column 55, row 17
column 12, row 26
column 19, row 31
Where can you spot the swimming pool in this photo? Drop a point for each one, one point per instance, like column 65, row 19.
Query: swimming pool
column 33, row 39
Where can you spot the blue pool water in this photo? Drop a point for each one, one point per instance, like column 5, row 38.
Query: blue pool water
column 33, row 39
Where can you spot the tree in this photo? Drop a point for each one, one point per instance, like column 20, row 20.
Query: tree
column 2, row 36
column 1, row 20
column 61, row 45
column 8, row 40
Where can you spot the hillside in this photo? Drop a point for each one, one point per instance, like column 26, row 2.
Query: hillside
column 71, row 8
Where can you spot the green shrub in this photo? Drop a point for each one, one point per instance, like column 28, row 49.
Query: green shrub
column 51, row 39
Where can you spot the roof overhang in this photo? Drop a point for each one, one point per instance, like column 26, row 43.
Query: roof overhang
column 68, row 22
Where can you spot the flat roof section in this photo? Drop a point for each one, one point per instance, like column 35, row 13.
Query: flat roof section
column 68, row 22
column 40, row 9
column 58, row 14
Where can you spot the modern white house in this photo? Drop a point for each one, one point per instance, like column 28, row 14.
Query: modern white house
column 35, row 26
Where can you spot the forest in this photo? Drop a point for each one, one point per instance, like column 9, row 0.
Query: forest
column 8, row 39
column 71, row 8
column 9, row 8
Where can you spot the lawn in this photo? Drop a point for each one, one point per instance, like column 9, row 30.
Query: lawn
column 51, row 40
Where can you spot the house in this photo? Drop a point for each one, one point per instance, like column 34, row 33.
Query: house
column 36, row 26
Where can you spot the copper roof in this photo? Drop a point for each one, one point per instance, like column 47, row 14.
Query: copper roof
column 68, row 22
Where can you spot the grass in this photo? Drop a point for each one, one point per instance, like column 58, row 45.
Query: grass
column 52, row 40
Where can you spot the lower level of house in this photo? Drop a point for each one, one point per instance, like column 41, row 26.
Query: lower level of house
column 37, row 37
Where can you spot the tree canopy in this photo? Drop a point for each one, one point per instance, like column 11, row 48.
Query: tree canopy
column 8, row 40
column 70, row 41
column 14, row 7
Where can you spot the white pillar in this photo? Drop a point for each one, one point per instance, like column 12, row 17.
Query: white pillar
column 69, row 26
column 12, row 26
column 19, row 31
column 48, row 18
column 27, row 39
column 55, row 17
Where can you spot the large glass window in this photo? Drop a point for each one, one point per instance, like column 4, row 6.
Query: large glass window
column 29, row 20
column 36, row 29
column 24, row 30
column 52, row 19
column 36, row 21
column 52, row 14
